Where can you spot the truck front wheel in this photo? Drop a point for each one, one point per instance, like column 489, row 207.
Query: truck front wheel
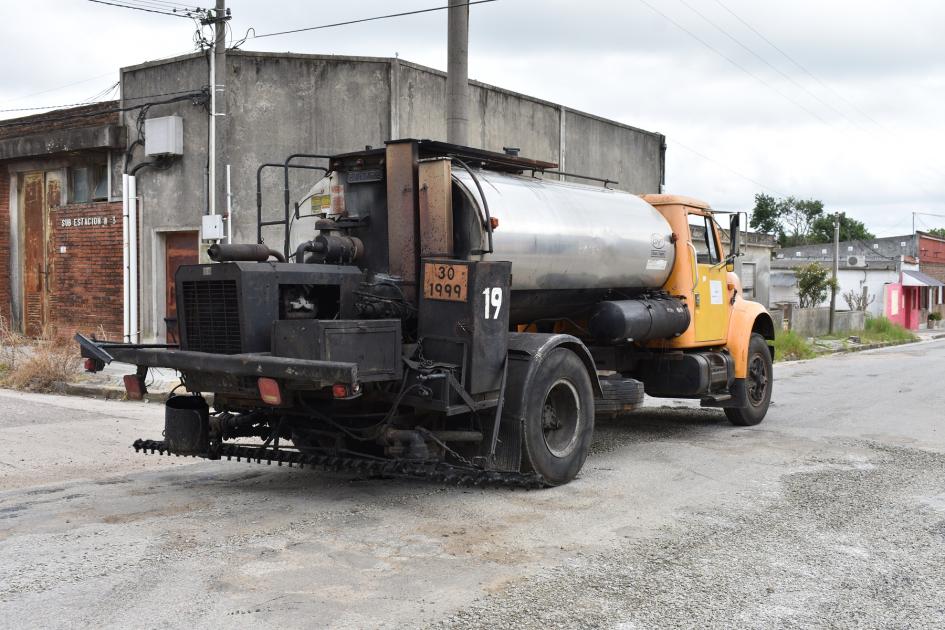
column 559, row 418
column 758, row 385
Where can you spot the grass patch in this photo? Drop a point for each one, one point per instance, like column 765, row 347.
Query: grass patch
column 789, row 346
column 38, row 365
column 880, row 329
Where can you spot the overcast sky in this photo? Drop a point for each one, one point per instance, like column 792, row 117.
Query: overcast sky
column 857, row 119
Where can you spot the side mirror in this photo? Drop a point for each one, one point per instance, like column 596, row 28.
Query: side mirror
column 734, row 234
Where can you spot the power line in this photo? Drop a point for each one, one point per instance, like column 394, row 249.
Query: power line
column 726, row 167
column 796, row 63
column 766, row 62
column 735, row 63
column 113, row 110
column 370, row 19
column 92, row 102
column 926, row 167
column 170, row 12
column 20, row 98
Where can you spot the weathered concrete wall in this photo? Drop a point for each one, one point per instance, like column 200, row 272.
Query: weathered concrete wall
column 600, row 148
column 814, row 322
column 499, row 118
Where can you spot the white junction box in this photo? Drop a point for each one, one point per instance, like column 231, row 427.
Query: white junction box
column 164, row 136
column 212, row 227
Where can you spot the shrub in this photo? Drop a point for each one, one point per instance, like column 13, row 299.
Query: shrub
column 935, row 316
column 51, row 359
column 813, row 284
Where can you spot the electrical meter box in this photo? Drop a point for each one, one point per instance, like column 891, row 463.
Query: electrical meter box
column 212, row 228
column 164, row 136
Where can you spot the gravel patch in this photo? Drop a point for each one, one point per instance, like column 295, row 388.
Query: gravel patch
column 849, row 544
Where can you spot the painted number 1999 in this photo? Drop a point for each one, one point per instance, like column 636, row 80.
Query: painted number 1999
column 493, row 301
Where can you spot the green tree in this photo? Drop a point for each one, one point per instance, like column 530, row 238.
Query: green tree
column 813, row 284
column 789, row 219
column 850, row 230
column 939, row 232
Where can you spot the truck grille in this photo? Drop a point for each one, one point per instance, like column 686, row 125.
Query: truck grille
column 211, row 316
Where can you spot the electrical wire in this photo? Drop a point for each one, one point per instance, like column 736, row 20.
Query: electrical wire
column 142, row 8
column 88, row 103
column 727, row 167
column 766, row 62
column 737, row 65
column 114, row 110
column 370, row 19
column 795, row 62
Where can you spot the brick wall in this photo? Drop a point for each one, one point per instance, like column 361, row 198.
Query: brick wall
column 86, row 282
column 5, row 295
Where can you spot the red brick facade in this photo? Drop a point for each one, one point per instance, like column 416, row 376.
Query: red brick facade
column 86, row 280
column 82, row 250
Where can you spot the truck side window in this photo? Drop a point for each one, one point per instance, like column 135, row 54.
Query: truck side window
column 703, row 237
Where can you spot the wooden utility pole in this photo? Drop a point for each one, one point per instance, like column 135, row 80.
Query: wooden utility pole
column 457, row 68
column 836, row 268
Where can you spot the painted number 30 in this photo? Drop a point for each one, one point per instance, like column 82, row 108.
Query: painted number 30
column 493, row 299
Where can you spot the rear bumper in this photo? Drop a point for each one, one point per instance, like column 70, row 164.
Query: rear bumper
column 313, row 373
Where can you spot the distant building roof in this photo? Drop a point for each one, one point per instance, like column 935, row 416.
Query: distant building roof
column 888, row 249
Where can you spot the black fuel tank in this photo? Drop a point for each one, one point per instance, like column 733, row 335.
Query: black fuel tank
column 641, row 319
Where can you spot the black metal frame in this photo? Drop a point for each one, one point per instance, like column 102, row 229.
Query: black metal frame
column 326, row 373
column 285, row 166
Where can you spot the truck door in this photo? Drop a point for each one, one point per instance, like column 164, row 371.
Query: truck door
column 711, row 309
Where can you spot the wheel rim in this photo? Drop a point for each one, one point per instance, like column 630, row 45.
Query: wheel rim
column 561, row 418
column 757, row 380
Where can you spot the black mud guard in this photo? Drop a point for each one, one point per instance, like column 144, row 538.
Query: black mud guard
column 526, row 352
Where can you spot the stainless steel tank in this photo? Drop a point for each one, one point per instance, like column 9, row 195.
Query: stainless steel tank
column 565, row 236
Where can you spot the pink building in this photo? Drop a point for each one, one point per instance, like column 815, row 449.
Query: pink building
column 906, row 302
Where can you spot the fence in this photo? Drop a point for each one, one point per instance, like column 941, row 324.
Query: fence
column 814, row 322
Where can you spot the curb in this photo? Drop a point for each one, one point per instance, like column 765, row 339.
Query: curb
column 104, row 392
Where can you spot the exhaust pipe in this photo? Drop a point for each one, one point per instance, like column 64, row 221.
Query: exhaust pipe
column 243, row 252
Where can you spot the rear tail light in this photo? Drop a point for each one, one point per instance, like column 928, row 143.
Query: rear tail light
column 269, row 391
column 91, row 365
column 341, row 390
column 135, row 387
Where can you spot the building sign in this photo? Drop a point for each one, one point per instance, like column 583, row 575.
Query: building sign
column 88, row 222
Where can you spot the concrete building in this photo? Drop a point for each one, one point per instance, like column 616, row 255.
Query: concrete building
column 274, row 105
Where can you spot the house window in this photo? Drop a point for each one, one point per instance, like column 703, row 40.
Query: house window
column 88, row 183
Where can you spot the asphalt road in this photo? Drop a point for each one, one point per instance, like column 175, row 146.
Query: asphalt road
column 829, row 514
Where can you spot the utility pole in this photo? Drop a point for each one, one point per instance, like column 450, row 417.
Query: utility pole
column 836, row 267
column 217, row 82
column 457, row 68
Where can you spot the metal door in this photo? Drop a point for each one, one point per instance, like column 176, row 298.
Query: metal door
column 711, row 312
column 180, row 248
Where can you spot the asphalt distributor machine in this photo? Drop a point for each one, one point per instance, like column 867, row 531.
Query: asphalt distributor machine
column 459, row 315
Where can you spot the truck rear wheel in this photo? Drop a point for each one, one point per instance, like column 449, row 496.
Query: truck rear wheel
column 758, row 385
column 559, row 418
